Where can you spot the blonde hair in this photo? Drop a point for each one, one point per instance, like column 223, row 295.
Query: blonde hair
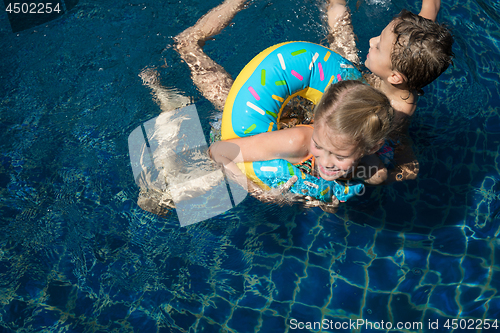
column 358, row 111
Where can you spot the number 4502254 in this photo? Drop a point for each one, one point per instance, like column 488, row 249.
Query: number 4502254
column 33, row 8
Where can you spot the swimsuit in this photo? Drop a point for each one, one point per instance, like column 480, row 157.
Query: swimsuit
column 307, row 164
column 386, row 153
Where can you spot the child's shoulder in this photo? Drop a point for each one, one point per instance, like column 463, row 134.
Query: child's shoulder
column 301, row 133
column 404, row 106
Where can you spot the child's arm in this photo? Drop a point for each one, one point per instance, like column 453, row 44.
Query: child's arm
column 371, row 170
column 430, row 9
column 407, row 166
column 289, row 144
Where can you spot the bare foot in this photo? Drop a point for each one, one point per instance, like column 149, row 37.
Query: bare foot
column 335, row 11
column 211, row 23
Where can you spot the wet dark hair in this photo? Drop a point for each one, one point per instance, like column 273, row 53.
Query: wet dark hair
column 422, row 50
column 358, row 111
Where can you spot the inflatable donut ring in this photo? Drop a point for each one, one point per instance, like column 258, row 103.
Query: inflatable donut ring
column 258, row 96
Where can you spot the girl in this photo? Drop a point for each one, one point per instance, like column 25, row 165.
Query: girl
column 351, row 121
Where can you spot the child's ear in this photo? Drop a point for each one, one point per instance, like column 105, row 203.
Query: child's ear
column 396, row 78
column 376, row 148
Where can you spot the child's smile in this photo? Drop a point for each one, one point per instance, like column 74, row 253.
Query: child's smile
column 335, row 154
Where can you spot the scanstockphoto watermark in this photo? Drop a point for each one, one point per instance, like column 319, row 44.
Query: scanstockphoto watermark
column 328, row 324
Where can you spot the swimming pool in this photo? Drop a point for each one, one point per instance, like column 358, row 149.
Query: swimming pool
column 79, row 255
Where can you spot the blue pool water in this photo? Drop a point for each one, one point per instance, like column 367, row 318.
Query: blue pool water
column 78, row 255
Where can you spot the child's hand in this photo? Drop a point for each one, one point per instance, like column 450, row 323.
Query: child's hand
column 430, row 9
column 330, row 207
column 371, row 170
column 274, row 195
column 277, row 195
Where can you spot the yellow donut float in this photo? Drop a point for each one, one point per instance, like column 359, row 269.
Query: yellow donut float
column 258, row 96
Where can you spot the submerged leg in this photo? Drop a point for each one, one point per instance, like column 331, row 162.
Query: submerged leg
column 341, row 34
column 211, row 78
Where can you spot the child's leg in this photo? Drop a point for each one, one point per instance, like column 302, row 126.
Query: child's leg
column 341, row 34
column 211, row 78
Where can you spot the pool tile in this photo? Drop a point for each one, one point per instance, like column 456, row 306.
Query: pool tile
column 360, row 236
column 15, row 313
column 330, row 244
column 431, row 278
column 475, row 270
column 110, row 313
column 455, row 215
column 387, row 244
column 416, row 251
column 304, row 313
column 495, row 279
column 281, row 308
column 443, row 298
column 270, row 245
column 206, row 326
column 229, row 286
column 420, row 296
column 470, row 296
column 337, row 324
column 296, row 253
column 83, row 305
column 45, row 317
column 372, row 310
column 264, row 287
column 251, row 300
column 145, row 323
column 200, row 279
column 449, row 240
column 411, row 281
column 403, row 311
column 244, row 320
column 218, row 310
column 234, row 259
column 314, row 289
column 452, row 273
column 302, row 235
column 266, row 262
column 352, row 267
column 493, row 311
column 272, row 323
column 285, row 278
column 258, row 270
column 346, row 299
column 383, row 274
column 320, row 259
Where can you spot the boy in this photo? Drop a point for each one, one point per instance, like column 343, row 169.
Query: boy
column 411, row 52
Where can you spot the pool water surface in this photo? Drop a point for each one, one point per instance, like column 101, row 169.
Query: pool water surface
column 77, row 254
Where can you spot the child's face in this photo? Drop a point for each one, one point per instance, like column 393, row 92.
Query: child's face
column 335, row 154
column 378, row 60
